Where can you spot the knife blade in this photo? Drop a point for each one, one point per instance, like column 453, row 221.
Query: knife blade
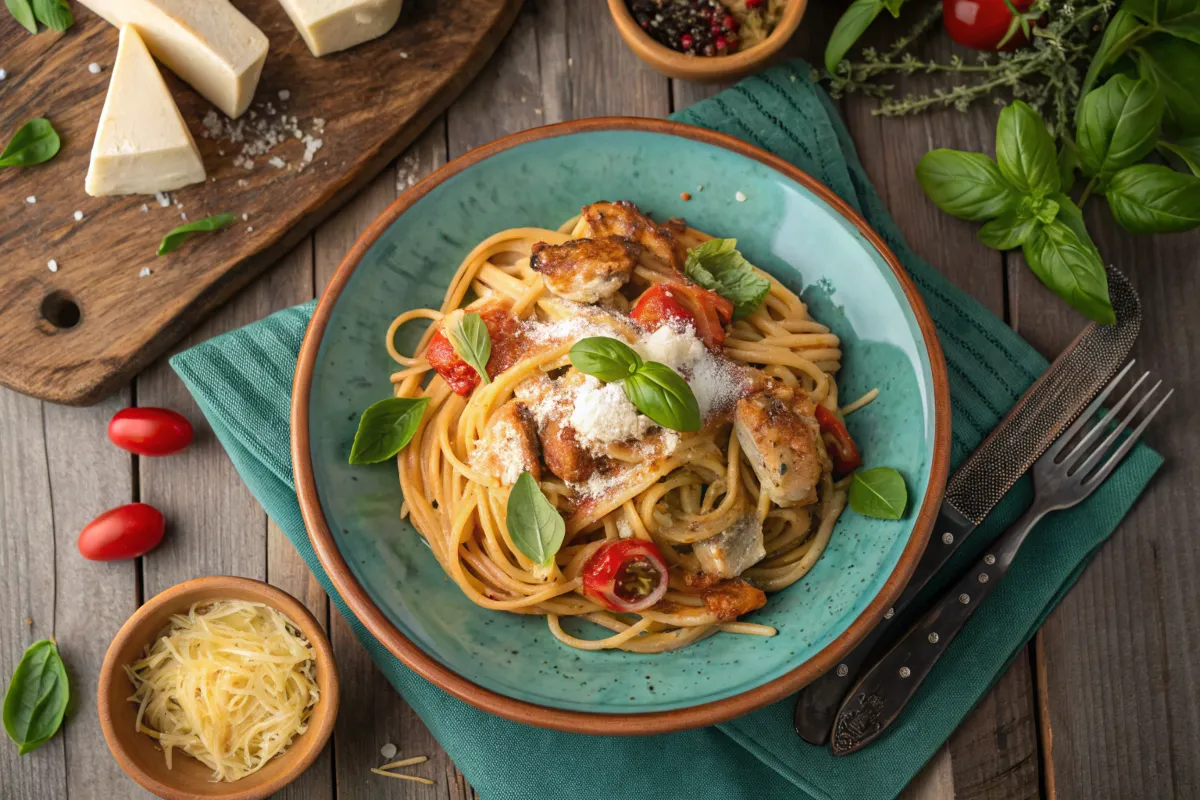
column 1052, row 403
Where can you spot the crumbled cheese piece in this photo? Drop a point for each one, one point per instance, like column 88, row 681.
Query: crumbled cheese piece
column 245, row 217
column 78, row 216
column 94, row 68
column 700, row 188
column 277, row 162
column 602, row 413
column 144, row 272
column 311, row 146
column 388, row 751
column 52, row 265
column 403, row 54
column 319, row 122
column 145, row 208
column 624, row 529
column 249, row 229
column 31, row 199
column 242, row 182
column 741, row 198
column 679, row 350
column 284, row 94
column 163, row 199
column 183, row 216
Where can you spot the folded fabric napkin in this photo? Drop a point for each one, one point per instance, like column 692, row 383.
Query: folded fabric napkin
column 757, row 756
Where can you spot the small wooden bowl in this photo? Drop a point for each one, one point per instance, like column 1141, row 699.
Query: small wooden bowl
column 705, row 69
column 140, row 756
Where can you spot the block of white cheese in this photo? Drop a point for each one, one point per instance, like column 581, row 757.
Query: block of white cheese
column 208, row 43
column 331, row 25
column 142, row 144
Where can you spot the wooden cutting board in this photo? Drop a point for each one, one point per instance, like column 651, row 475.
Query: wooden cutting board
column 76, row 334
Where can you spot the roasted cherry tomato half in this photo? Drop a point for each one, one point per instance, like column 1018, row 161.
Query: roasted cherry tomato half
column 993, row 25
column 150, row 431
column 840, row 446
column 687, row 304
column 504, row 329
column 626, row 575
column 123, row 532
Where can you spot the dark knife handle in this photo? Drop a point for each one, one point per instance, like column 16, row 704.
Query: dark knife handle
column 892, row 681
column 818, row 702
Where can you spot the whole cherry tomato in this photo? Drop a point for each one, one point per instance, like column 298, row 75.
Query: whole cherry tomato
column 626, row 575
column 123, row 532
column 994, row 25
column 150, row 431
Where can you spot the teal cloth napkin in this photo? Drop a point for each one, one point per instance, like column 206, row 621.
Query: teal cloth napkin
column 757, row 756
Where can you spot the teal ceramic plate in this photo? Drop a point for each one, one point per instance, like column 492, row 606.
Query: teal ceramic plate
column 789, row 225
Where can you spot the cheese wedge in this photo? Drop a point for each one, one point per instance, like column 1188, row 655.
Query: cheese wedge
column 331, row 25
column 208, row 43
column 142, row 144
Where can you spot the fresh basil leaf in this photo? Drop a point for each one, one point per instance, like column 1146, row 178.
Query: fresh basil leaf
column 1070, row 215
column 534, row 524
column 35, row 142
column 1025, row 151
column 1068, row 161
column 1070, row 269
column 470, row 338
column 385, row 428
column 1008, row 231
column 879, row 493
column 719, row 267
column 1177, row 17
column 662, row 395
column 37, row 697
column 605, row 358
column 1186, row 149
column 852, row 24
column 1118, row 124
column 1174, row 66
column 1151, row 198
column 22, row 13
column 1122, row 32
column 966, row 185
column 54, row 14
column 179, row 235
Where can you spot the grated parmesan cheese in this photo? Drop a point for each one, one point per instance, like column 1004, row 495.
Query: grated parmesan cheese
column 602, row 413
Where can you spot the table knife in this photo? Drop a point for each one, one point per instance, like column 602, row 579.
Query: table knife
column 1045, row 410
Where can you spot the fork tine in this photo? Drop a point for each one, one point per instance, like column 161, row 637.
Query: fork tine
column 1069, row 434
column 1080, row 449
column 1091, row 482
column 1102, row 449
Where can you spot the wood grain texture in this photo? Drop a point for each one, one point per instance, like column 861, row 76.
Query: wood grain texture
column 935, row 781
column 375, row 99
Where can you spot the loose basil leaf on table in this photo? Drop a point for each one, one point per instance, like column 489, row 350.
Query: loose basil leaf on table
column 35, row 142
column 37, row 696
column 1025, row 151
column 1177, row 17
column 879, row 493
column 662, row 395
column 1121, row 33
column 1007, row 231
column 1071, row 269
column 1118, row 124
column 1187, row 149
column 605, row 358
column 385, row 428
column 966, row 185
column 181, row 234
column 534, row 524
column 54, row 14
column 469, row 337
column 850, row 26
column 1173, row 65
column 719, row 267
column 1151, row 198
column 23, row 13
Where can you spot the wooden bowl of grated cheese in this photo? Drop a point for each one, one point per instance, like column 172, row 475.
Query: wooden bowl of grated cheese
column 220, row 688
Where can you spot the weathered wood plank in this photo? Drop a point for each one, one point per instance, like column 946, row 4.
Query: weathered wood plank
column 935, row 781
column 1121, row 654
column 606, row 78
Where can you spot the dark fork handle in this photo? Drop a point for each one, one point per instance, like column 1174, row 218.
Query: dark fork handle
column 818, row 702
column 892, row 681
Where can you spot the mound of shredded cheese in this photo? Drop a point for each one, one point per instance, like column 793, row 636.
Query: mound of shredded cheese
column 230, row 683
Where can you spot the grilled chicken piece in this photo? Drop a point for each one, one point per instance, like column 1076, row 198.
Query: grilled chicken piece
column 731, row 552
column 510, row 445
column 623, row 219
column 778, row 430
column 731, row 599
column 565, row 456
column 585, row 270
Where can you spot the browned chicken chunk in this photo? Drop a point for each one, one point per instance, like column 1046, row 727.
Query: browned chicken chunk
column 565, row 456
column 623, row 219
column 731, row 552
column 510, row 445
column 585, row 270
column 777, row 428
column 731, row 599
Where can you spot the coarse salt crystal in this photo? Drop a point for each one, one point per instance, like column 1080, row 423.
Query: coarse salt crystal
column 249, row 229
column 31, row 199
column 284, row 94
column 741, row 198
column 94, row 68
column 245, row 217
column 144, row 272
column 163, row 199
column 388, row 750
column 52, row 265
column 3, row 74
column 145, row 208
column 78, row 216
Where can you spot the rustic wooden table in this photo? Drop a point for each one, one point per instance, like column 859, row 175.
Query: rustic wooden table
column 1105, row 703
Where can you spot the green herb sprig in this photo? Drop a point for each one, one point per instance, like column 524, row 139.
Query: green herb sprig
column 469, row 337
column 655, row 389
column 37, row 696
column 179, row 235
column 54, row 14
column 719, row 267
column 35, row 142
column 534, row 524
column 385, row 428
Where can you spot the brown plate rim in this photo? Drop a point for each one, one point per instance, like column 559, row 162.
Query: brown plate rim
column 521, row 711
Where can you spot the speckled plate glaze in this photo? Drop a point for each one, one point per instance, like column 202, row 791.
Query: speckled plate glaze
column 789, row 225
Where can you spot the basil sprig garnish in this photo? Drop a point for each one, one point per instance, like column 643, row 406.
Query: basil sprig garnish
column 23, row 13
column 54, row 14
column 35, row 142
column 37, row 697
column 207, row 225
column 469, row 337
column 719, row 267
column 879, row 492
column 385, row 428
column 655, row 389
column 534, row 524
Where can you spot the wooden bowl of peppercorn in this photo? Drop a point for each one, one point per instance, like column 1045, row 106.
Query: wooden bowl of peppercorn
column 703, row 40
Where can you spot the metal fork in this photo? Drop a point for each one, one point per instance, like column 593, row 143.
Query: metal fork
column 1067, row 473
